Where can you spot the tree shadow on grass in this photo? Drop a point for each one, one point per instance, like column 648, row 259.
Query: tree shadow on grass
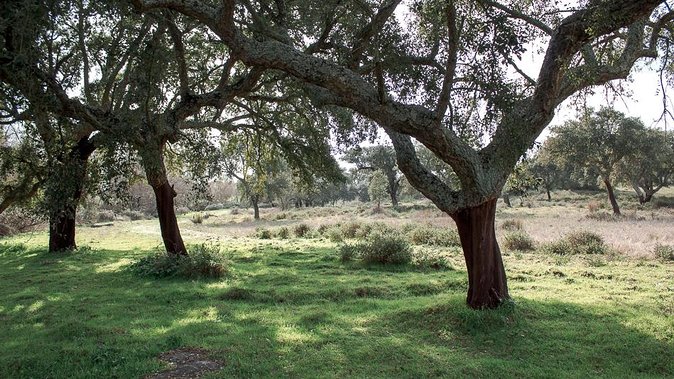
column 83, row 315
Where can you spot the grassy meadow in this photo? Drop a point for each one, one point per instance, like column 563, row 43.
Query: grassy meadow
column 290, row 307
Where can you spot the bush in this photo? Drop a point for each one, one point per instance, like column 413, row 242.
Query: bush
column 302, row 230
column 105, row 215
column 665, row 252
column 350, row 229
column 283, row 233
column 214, row 207
column 429, row 260
column 322, row 229
column 518, row 241
column 349, row 253
column 334, row 234
column 386, row 249
column 133, row 215
column 197, row 218
column 511, row 225
column 426, row 235
column 578, row 243
column 263, row 233
column 204, row 261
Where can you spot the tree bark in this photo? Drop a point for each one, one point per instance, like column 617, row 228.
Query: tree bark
column 62, row 229
column 487, row 285
column 170, row 231
column 155, row 171
column 254, row 200
column 393, row 190
column 547, row 191
column 611, row 196
column 506, row 200
column 67, row 188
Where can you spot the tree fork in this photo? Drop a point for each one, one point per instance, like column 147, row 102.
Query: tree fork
column 487, row 285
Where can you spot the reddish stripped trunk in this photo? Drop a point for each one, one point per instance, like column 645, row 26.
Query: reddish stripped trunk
column 170, row 232
column 487, row 286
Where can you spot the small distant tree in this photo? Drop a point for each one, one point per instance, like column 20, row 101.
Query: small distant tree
column 379, row 158
column 597, row 141
column 520, row 183
column 651, row 166
column 378, row 188
column 547, row 172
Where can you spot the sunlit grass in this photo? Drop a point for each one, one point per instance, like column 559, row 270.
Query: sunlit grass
column 290, row 308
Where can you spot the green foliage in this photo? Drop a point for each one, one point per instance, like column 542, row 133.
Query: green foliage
column 518, row 240
column 428, row 259
column 378, row 187
column 384, row 249
column 263, row 233
column 428, row 235
column 580, row 242
column 283, row 233
column 664, row 252
column 334, row 234
column 349, row 252
column 204, row 261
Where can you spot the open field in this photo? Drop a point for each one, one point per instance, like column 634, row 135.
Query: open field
column 290, row 308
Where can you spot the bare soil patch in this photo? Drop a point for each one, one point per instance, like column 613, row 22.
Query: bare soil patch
column 186, row 363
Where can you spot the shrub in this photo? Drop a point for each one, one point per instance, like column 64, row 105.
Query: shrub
column 235, row 211
column 334, row 234
column 322, row 229
column 665, row 252
column 580, row 242
column 518, row 241
column 350, row 229
column 204, row 261
column 348, row 252
column 426, row 235
column 386, row 249
column 214, row 207
column 105, row 215
column 197, row 218
column 511, row 225
column 430, row 260
column 263, row 233
column 283, row 233
column 302, row 230
column 134, row 215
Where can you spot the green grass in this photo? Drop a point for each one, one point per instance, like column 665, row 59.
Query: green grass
column 291, row 309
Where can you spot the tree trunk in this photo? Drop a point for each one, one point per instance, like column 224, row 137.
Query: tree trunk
column 487, row 285
column 62, row 229
column 611, row 196
column 155, row 171
column 256, row 207
column 547, row 191
column 393, row 186
column 64, row 194
column 506, row 200
column 168, row 223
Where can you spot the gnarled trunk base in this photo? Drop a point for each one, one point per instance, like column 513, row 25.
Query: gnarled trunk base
column 487, row 285
column 170, row 232
column 62, row 230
